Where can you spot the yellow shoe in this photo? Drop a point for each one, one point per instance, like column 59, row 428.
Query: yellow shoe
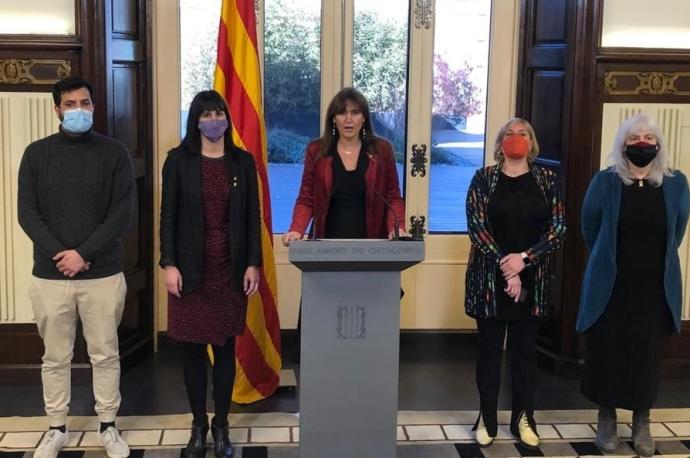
column 527, row 432
column 481, row 434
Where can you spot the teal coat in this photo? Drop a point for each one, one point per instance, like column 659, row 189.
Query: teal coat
column 600, row 230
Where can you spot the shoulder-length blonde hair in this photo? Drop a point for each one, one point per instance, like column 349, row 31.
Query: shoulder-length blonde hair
column 621, row 165
column 533, row 152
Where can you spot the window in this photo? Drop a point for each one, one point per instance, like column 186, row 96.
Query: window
column 461, row 52
column 292, row 88
column 380, row 33
column 379, row 68
column 199, row 20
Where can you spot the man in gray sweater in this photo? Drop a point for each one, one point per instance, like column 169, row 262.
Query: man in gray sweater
column 75, row 198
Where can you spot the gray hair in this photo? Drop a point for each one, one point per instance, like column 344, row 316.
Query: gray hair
column 620, row 164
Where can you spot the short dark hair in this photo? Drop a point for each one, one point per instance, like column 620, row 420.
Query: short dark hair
column 206, row 101
column 68, row 85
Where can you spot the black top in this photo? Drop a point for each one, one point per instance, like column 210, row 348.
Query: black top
column 346, row 217
column 76, row 193
column 641, row 249
column 517, row 214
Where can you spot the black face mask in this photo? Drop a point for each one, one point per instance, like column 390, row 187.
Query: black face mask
column 641, row 153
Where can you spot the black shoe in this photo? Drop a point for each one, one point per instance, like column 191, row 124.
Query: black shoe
column 221, row 441
column 196, row 447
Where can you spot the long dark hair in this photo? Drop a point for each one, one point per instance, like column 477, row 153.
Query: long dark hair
column 206, row 101
column 338, row 106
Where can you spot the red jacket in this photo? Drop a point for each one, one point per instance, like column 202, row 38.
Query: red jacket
column 317, row 185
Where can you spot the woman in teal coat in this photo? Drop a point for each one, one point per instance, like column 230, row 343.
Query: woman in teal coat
column 633, row 220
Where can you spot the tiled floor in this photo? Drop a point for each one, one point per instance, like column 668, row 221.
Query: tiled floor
column 437, row 402
column 165, row 431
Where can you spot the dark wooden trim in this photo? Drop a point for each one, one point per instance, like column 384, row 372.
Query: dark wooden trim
column 21, row 350
column 21, row 374
column 679, row 344
column 41, row 43
column 93, row 57
column 680, row 83
column 37, row 71
column 643, row 55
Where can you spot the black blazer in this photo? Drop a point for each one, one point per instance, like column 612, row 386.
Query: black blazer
column 182, row 219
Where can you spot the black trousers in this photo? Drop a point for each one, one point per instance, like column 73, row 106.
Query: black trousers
column 521, row 345
column 223, row 378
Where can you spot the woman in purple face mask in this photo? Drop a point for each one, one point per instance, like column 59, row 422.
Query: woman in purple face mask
column 211, row 254
column 633, row 221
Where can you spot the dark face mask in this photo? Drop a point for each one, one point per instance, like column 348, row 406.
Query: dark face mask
column 641, row 153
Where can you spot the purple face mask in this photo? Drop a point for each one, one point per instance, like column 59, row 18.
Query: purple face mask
column 213, row 129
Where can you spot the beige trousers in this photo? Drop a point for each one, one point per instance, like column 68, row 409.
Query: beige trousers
column 99, row 304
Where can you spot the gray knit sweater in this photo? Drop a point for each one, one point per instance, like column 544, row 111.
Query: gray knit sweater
column 76, row 193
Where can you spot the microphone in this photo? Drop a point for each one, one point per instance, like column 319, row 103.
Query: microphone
column 312, row 232
column 396, row 220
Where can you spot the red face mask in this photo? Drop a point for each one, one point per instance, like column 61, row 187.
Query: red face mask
column 515, row 146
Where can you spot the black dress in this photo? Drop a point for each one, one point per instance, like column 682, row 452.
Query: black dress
column 517, row 214
column 346, row 217
column 625, row 346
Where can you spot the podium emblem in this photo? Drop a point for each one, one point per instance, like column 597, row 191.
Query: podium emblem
column 351, row 322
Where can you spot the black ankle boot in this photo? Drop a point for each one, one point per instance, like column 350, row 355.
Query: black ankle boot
column 196, row 447
column 221, row 441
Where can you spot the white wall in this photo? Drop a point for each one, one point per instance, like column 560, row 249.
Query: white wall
column 645, row 24
column 24, row 117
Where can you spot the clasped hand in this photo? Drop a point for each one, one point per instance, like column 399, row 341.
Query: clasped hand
column 70, row 263
column 513, row 288
column 511, row 265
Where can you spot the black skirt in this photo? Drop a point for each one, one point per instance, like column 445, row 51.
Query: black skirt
column 625, row 346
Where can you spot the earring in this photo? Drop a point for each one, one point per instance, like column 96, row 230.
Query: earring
column 334, row 131
column 364, row 132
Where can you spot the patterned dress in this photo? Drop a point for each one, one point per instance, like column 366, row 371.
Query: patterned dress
column 218, row 309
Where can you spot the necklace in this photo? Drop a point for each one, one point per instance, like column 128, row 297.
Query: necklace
column 640, row 183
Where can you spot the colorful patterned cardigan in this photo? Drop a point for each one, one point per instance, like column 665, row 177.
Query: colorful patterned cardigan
column 485, row 254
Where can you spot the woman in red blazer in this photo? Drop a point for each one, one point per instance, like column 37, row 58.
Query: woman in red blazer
column 349, row 184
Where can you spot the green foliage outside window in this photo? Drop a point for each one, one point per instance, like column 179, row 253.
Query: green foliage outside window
column 292, row 72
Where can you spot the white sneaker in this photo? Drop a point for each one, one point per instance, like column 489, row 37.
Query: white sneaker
column 52, row 443
column 526, row 433
column 482, row 435
column 115, row 446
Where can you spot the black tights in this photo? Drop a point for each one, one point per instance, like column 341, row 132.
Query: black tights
column 196, row 380
column 522, row 347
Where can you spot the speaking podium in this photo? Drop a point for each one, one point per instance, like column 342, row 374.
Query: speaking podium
column 348, row 384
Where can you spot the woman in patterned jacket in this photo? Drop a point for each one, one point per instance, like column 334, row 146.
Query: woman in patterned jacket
column 516, row 221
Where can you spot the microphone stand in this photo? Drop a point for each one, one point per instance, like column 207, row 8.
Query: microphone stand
column 396, row 220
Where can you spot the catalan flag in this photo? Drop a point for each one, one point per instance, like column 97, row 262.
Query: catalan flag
column 238, row 79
